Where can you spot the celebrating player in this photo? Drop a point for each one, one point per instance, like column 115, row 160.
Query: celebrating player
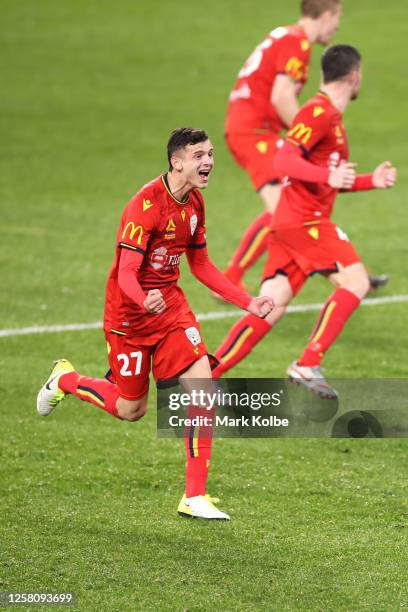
column 304, row 240
column 148, row 321
column 262, row 104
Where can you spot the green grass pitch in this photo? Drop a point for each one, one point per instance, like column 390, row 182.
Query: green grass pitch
column 90, row 91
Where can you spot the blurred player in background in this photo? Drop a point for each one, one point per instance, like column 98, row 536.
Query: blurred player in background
column 264, row 102
column 148, row 322
column 304, row 241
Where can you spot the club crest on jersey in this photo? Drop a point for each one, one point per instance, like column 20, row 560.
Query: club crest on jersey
column 193, row 224
column 193, row 335
column 170, row 230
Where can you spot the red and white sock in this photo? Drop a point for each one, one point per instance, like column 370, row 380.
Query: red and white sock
column 252, row 245
column 198, row 443
column 242, row 338
column 97, row 391
column 332, row 318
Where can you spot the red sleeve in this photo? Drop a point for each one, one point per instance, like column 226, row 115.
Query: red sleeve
column 129, row 264
column 363, row 182
column 206, row 272
column 293, row 57
column 288, row 161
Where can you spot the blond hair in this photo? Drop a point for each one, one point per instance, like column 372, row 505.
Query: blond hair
column 315, row 8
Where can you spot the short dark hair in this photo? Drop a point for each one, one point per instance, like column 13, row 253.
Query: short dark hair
column 315, row 8
column 181, row 137
column 338, row 61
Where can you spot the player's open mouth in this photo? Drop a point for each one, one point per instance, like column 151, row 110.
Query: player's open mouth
column 203, row 174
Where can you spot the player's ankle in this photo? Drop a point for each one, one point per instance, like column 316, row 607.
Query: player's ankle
column 309, row 359
column 69, row 382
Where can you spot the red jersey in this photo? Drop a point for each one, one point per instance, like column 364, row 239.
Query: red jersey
column 285, row 51
column 319, row 131
column 157, row 225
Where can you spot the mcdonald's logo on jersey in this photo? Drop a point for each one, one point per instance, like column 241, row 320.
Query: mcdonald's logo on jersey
column 295, row 68
column 133, row 229
column 301, row 132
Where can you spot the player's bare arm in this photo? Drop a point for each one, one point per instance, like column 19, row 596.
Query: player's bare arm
column 284, row 97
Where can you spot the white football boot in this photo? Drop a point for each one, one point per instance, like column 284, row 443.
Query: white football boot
column 201, row 506
column 312, row 378
column 50, row 395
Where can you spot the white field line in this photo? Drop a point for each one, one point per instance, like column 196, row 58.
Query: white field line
column 207, row 316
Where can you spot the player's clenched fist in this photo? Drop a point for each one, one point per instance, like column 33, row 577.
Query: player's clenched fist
column 384, row 176
column 343, row 177
column 261, row 306
column 154, row 302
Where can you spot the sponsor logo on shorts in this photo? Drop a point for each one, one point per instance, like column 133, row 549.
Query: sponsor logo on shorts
column 193, row 335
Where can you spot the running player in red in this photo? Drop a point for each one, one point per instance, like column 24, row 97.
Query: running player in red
column 304, row 241
column 262, row 104
column 148, row 322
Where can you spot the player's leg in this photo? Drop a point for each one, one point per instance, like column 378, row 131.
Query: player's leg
column 126, row 400
column 255, row 154
column 352, row 284
column 198, row 443
column 282, row 279
column 183, row 355
column 246, row 333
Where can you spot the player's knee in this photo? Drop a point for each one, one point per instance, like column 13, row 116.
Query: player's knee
column 365, row 286
column 136, row 415
column 360, row 286
column 132, row 411
column 275, row 314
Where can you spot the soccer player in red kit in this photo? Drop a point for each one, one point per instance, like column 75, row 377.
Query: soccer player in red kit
column 262, row 104
column 304, row 240
column 148, row 322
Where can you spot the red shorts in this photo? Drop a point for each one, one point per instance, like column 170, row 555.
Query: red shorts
column 302, row 251
column 255, row 153
column 132, row 358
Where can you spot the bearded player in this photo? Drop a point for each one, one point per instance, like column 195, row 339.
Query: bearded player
column 262, row 104
column 304, row 241
column 148, row 322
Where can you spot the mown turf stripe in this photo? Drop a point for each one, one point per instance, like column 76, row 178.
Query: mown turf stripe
column 207, row 316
